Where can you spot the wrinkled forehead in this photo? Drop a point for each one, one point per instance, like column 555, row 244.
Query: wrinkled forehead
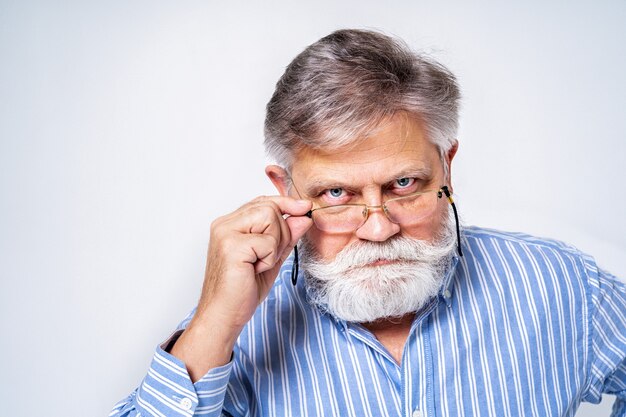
column 397, row 146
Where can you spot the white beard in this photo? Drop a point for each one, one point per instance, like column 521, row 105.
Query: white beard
column 350, row 290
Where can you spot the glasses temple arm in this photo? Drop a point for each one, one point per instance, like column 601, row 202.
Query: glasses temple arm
column 448, row 194
column 295, row 267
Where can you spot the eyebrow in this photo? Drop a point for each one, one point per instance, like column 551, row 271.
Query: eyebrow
column 316, row 185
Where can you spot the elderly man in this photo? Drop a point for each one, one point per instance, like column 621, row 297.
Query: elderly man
column 395, row 309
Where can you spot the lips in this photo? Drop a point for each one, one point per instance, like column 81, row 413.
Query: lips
column 381, row 262
column 374, row 264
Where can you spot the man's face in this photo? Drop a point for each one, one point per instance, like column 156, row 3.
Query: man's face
column 381, row 269
column 397, row 155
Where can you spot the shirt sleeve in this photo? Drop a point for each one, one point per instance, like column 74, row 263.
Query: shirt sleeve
column 608, row 341
column 167, row 389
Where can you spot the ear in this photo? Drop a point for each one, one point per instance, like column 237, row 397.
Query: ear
column 452, row 152
column 279, row 178
column 449, row 157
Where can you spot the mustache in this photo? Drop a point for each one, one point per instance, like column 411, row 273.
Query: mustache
column 399, row 249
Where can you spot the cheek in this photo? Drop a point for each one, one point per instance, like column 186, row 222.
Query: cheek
column 328, row 245
column 429, row 228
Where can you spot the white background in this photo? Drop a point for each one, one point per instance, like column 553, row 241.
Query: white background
column 126, row 127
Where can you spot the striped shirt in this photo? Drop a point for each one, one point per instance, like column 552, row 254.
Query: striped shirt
column 522, row 326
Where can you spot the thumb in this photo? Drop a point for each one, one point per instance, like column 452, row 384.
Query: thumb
column 298, row 226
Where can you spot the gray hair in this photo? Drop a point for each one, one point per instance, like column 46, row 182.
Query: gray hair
column 343, row 86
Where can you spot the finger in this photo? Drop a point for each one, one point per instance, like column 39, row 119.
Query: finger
column 285, row 234
column 253, row 250
column 298, row 226
column 264, row 252
column 266, row 217
column 255, row 217
column 287, row 205
column 271, row 221
column 295, row 224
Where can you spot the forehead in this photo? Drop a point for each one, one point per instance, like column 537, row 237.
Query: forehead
column 399, row 145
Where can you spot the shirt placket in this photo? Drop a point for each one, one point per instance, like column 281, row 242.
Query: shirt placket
column 417, row 369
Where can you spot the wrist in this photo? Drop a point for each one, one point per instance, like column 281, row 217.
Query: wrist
column 205, row 344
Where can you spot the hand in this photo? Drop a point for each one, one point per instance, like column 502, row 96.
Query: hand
column 246, row 251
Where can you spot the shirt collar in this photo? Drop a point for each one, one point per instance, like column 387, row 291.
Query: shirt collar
column 447, row 287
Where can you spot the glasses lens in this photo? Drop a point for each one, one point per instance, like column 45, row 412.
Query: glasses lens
column 339, row 219
column 412, row 209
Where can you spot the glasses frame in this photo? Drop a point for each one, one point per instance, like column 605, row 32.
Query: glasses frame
column 443, row 190
column 367, row 208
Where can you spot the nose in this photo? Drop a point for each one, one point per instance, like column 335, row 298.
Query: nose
column 377, row 226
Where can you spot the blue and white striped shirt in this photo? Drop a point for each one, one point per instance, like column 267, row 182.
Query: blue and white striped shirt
column 522, row 326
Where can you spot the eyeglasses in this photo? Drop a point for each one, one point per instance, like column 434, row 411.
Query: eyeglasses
column 407, row 210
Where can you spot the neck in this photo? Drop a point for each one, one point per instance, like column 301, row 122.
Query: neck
column 392, row 334
column 389, row 324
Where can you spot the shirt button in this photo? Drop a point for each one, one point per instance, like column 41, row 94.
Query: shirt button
column 185, row 404
column 417, row 413
column 446, row 294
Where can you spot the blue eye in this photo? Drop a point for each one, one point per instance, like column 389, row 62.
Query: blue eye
column 404, row 182
column 335, row 192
